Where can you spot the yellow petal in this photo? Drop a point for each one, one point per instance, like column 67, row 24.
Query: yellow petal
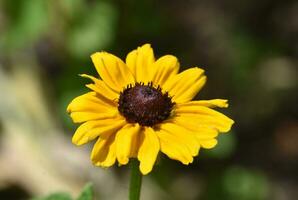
column 173, row 148
column 101, row 88
column 89, row 102
column 90, row 130
column 185, row 136
column 82, row 116
column 205, row 116
column 209, row 144
column 124, row 142
column 107, row 98
column 104, row 151
column 205, row 136
column 112, row 70
column 135, row 144
column 148, row 151
column 140, row 62
column 185, row 85
column 166, row 67
column 200, row 131
column 221, row 103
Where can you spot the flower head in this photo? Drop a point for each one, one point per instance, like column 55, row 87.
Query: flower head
column 142, row 107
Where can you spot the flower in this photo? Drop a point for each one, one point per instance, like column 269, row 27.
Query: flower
column 142, row 107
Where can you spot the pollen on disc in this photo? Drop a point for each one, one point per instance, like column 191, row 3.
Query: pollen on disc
column 145, row 104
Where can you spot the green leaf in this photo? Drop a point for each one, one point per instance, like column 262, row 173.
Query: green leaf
column 93, row 31
column 56, row 196
column 30, row 22
column 245, row 184
column 87, row 192
column 225, row 147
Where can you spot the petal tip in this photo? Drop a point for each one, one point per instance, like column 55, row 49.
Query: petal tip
column 145, row 171
column 225, row 103
column 76, row 141
column 122, row 160
column 68, row 108
column 146, row 45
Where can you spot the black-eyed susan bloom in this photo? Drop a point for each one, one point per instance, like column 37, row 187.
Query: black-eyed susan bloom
column 143, row 106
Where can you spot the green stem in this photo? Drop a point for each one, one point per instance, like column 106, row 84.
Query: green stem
column 135, row 180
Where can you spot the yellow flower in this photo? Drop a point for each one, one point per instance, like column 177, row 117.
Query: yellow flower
column 142, row 107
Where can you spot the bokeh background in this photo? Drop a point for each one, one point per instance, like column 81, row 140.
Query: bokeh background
column 248, row 48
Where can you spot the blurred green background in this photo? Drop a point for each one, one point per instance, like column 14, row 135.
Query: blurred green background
column 249, row 50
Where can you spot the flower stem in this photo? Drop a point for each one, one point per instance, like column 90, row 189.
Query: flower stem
column 135, row 180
